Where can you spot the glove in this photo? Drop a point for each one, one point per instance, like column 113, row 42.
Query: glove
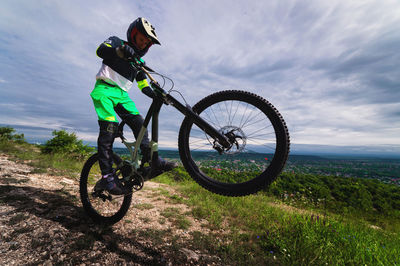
column 149, row 92
column 125, row 52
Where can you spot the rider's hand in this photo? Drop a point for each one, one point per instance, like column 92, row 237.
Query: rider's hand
column 149, row 92
column 125, row 52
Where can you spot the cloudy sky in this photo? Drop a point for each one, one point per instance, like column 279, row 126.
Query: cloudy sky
column 332, row 68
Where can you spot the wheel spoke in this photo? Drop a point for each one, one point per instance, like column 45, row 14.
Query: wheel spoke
column 245, row 120
column 101, row 207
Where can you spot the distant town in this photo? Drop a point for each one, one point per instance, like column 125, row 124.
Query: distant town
column 386, row 170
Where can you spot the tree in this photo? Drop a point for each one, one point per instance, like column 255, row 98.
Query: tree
column 7, row 134
column 66, row 143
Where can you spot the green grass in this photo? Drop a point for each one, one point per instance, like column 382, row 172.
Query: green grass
column 258, row 231
column 170, row 212
column 143, row 206
column 57, row 164
column 175, row 216
column 145, row 219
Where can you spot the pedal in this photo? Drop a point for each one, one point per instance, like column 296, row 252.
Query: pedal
column 137, row 183
column 101, row 195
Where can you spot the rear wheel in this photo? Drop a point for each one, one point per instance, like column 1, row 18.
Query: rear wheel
column 259, row 139
column 102, row 207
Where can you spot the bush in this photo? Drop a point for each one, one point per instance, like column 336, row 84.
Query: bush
column 66, row 143
column 7, row 134
column 338, row 194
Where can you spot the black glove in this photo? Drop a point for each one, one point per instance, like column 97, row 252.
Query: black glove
column 149, row 92
column 126, row 52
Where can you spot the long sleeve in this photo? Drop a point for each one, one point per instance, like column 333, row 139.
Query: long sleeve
column 106, row 50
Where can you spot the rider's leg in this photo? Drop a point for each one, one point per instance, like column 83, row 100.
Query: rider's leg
column 105, row 144
column 104, row 99
column 135, row 122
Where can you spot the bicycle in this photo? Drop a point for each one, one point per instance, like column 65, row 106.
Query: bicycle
column 232, row 143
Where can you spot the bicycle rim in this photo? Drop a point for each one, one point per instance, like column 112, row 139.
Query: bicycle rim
column 258, row 154
column 107, row 208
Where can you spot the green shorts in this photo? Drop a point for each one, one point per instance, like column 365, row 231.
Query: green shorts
column 105, row 97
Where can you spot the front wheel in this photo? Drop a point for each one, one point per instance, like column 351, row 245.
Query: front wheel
column 259, row 143
column 102, row 207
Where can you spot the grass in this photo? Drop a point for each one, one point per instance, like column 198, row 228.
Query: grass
column 57, row 164
column 145, row 219
column 258, row 230
column 176, row 218
column 157, row 236
column 143, row 206
column 170, row 212
column 161, row 220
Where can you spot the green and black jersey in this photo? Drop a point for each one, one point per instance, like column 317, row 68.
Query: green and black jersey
column 115, row 70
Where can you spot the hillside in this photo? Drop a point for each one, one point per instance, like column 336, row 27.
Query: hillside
column 42, row 223
column 175, row 222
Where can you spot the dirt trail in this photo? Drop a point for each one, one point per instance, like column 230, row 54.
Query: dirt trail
column 42, row 222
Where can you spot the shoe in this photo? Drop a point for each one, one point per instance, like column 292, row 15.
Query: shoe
column 162, row 166
column 165, row 166
column 111, row 184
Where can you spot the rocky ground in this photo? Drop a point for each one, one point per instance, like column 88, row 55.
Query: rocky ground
column 42, row 222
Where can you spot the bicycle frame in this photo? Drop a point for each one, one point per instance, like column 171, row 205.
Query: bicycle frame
column 162, row 97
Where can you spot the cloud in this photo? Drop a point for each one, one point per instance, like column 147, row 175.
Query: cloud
column 329, row 67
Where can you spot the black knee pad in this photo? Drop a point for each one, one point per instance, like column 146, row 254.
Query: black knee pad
column 108, row 127
column 107, row 133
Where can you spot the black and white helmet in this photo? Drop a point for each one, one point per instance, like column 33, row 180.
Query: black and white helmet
column 144, row 26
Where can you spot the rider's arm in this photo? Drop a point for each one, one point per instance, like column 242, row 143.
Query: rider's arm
column 107, row 49
column 143, row 84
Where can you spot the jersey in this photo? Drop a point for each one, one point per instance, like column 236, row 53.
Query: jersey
column 115, row 70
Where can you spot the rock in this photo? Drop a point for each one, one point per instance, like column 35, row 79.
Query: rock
column 190, row 254
column 47, row 263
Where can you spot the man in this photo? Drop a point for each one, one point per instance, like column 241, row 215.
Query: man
column 110, row 96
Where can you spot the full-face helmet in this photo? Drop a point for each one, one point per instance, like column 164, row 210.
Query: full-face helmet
column 143, row 26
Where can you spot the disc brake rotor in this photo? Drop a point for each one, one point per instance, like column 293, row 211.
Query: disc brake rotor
column 236, row 137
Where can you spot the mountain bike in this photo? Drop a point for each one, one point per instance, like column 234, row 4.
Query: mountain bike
column 232, row 143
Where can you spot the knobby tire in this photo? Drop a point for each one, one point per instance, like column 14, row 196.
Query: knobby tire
column 85, row 195
column 278, row 128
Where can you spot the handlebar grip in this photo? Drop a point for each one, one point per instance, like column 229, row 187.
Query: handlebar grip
column 139, row 62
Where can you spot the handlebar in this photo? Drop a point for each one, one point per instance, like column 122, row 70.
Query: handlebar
column 139, row 64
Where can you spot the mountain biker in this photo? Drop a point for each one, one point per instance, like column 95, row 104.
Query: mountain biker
column 110, row 96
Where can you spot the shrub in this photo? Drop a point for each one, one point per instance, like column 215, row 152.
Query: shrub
column 7, row 134
column 66, row 143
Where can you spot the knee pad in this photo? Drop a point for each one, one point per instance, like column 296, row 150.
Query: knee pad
column 108, row 128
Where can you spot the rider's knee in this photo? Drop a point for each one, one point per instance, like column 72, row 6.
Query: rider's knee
column 108, row 128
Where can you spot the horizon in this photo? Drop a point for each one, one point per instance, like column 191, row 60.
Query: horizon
column 326, row 151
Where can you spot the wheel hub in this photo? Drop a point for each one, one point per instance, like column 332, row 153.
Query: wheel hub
column 236, row 138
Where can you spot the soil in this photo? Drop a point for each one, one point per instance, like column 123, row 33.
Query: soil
column 42, row 222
